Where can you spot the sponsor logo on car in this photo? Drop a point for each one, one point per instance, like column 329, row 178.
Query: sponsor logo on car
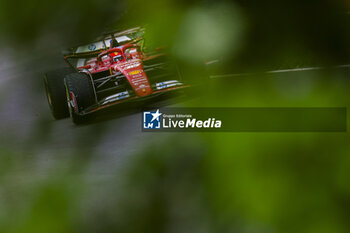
column 92, row 47
column 115, row 97
column 135, row 72
column 167, row 84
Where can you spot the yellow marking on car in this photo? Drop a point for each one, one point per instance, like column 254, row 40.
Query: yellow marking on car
column 135, row 72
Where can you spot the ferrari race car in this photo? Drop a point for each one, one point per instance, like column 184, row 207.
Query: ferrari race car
column 112, row 70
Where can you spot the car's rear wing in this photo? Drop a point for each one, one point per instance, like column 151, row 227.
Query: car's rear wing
column 133, row 35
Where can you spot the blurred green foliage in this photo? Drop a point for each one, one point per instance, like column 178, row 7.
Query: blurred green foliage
column 213, row 182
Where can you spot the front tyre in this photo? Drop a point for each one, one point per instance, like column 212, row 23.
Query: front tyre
column 80, row 95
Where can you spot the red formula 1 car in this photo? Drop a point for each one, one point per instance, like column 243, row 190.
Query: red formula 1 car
column 113, row 70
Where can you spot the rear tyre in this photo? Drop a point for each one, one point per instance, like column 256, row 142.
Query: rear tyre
column 55, row 92
column 80, row 95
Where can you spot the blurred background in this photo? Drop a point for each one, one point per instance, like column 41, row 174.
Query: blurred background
column 110, row 177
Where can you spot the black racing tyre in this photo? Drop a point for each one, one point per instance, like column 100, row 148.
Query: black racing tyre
column 81, row 87
column 56, row 93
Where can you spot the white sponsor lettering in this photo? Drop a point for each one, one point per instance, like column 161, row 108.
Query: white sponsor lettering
column 191, row 123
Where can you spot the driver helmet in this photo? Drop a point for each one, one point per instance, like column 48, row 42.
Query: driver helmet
column 116, row 56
